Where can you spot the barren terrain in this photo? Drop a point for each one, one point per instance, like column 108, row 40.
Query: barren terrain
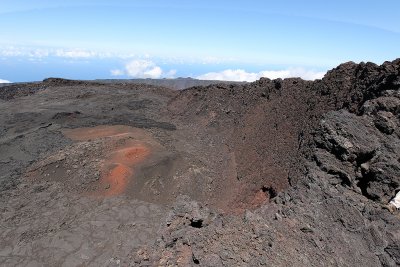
column 271, row 173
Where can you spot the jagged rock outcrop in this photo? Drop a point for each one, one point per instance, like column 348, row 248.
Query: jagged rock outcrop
column 329, row 149
column 269, row 125
column 355, row 152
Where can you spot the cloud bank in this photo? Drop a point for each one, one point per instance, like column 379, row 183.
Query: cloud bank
column 4, row 81
column 75, row 53
column 244, row 76
column 143, row 69
column 39, row 53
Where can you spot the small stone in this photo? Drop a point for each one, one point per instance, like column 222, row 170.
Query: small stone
column 307, row 229
column 278, row 217
column 365, row 167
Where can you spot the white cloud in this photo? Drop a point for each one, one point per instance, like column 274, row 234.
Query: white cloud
column 11, row 52
column 75, row 53
column 143, row 68
column 154, row 72
column 170, row 74
column 29, row 52
column 117, row 72
column 242, row 75
column 38, row 53
column 4, row 81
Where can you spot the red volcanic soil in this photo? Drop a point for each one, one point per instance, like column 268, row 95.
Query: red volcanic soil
column 116, row 180
column 119, row 164
column 130, row 155
column 122, row 164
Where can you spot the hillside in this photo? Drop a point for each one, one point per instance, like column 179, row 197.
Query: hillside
column 177, row 83
column 271, row 173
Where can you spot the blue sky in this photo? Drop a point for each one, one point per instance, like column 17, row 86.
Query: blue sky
column 233, row 40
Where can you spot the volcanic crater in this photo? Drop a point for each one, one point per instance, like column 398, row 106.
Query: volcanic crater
column 275, row 172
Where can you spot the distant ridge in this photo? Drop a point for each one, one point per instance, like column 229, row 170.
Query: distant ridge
column 176, row 84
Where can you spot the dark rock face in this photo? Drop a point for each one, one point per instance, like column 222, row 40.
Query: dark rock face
column 363, row 146
column 270, row 125
column 354, row 152
column 331, row 150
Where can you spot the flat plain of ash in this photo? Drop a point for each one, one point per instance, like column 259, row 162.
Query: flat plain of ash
column 270, row 173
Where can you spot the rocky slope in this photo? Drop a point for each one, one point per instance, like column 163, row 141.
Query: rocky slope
column 325, row 153
column 272, row 173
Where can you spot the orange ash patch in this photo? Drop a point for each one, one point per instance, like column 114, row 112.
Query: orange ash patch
column 116, row 180
column 119, row 165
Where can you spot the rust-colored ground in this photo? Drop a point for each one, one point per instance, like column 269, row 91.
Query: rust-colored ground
column 128, row 150
column 121, row 169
